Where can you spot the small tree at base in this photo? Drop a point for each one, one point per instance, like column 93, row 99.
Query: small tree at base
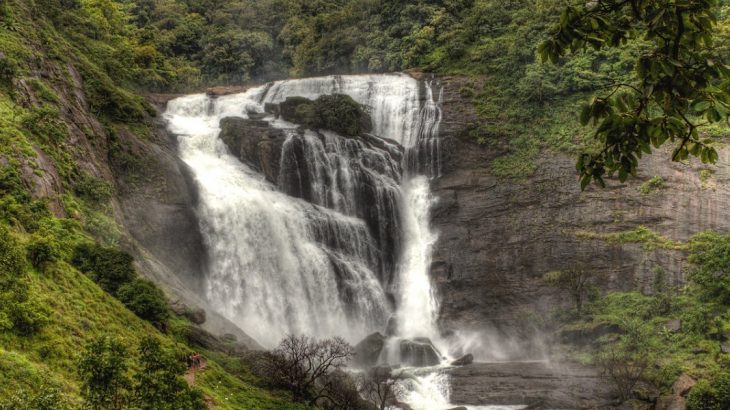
column 379, row 386
column 578, row 282
column 301, row 364
column 626, row 361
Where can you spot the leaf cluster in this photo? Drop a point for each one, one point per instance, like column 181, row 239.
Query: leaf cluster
column 680, row 81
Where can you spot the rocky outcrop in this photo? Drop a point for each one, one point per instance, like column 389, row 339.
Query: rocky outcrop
column 464, row 360
column 539, row 385
column 419, row 352
column 498, row 237
column 336, row 112
column 356, row 176
column 368, row 350
column 255, row 143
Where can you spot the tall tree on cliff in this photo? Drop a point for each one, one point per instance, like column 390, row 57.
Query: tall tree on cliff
column 680, row 82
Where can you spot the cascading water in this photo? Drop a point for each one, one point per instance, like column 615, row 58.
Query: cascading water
column 268, row 273
column 346, row 224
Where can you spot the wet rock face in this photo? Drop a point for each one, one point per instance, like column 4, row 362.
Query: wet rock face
column 255, row 143
column 357, row 177
column 368, row 351
column 419, row 352
column 497, row 237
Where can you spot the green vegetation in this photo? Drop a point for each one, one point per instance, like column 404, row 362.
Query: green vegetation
column 652, row 186
column 70, row 77
column 644, row 347
column 679, row 83
column 337, row 112
column 643, row 235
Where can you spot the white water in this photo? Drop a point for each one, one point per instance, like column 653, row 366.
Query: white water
column 268, row 273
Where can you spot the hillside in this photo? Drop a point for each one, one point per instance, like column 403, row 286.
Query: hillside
column 88, row 167
column 61, row 155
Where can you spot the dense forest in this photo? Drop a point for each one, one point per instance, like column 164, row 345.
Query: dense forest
column 65, row 283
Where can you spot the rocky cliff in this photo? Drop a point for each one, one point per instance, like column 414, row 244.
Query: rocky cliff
column 498, row 237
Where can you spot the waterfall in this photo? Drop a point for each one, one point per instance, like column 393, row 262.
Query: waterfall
column 271, row 270
column 340, row 241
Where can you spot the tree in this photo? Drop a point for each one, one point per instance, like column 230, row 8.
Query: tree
column 301, row 364
column 158, row 385
column 379, row 386
column 577, row 282
column 146, row 301
column 626, row 361
column 678, row 86
column 103, row 371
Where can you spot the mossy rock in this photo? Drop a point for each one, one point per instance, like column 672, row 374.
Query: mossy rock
column 336, row 112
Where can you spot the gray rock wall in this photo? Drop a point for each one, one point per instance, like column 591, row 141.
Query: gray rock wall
column 498, row 237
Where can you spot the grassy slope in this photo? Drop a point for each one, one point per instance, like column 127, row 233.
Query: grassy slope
column 79, row 310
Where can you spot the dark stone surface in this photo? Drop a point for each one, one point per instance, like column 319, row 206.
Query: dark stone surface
column 497, row 237
column 368, row 350
column 200, row 337
column 419, row 352
column 538, row 384
column 464, row 360
column 195, row 315
column 255, row 143
column 336, row 112
column 674, row 326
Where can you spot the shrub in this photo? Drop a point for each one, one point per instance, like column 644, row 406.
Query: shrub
column 579, row 283
column 44, row 124
column 710, row 395
column 158, row 385
column 47, row 398
column 302, row 365
column 103, row 372
column 709, row 253
column 109, row 267
column 43, row 249
column 18, row 311
column 93, row 189
column 625, row 362
column 146, row 301
column 652, row 186
column 8, row 68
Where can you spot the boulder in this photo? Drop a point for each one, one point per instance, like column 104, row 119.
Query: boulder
column 683, row 385
column 336, row 112
column 458, row 408
column 673, row 326
column 255, row 143
column 725, row 348
column 419, row 352
column 200, row 337
column 367, row 352
column 464, row 360
column 193, row 314
column 272, row 108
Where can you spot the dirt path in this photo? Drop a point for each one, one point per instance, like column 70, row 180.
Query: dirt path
column 189, row 377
